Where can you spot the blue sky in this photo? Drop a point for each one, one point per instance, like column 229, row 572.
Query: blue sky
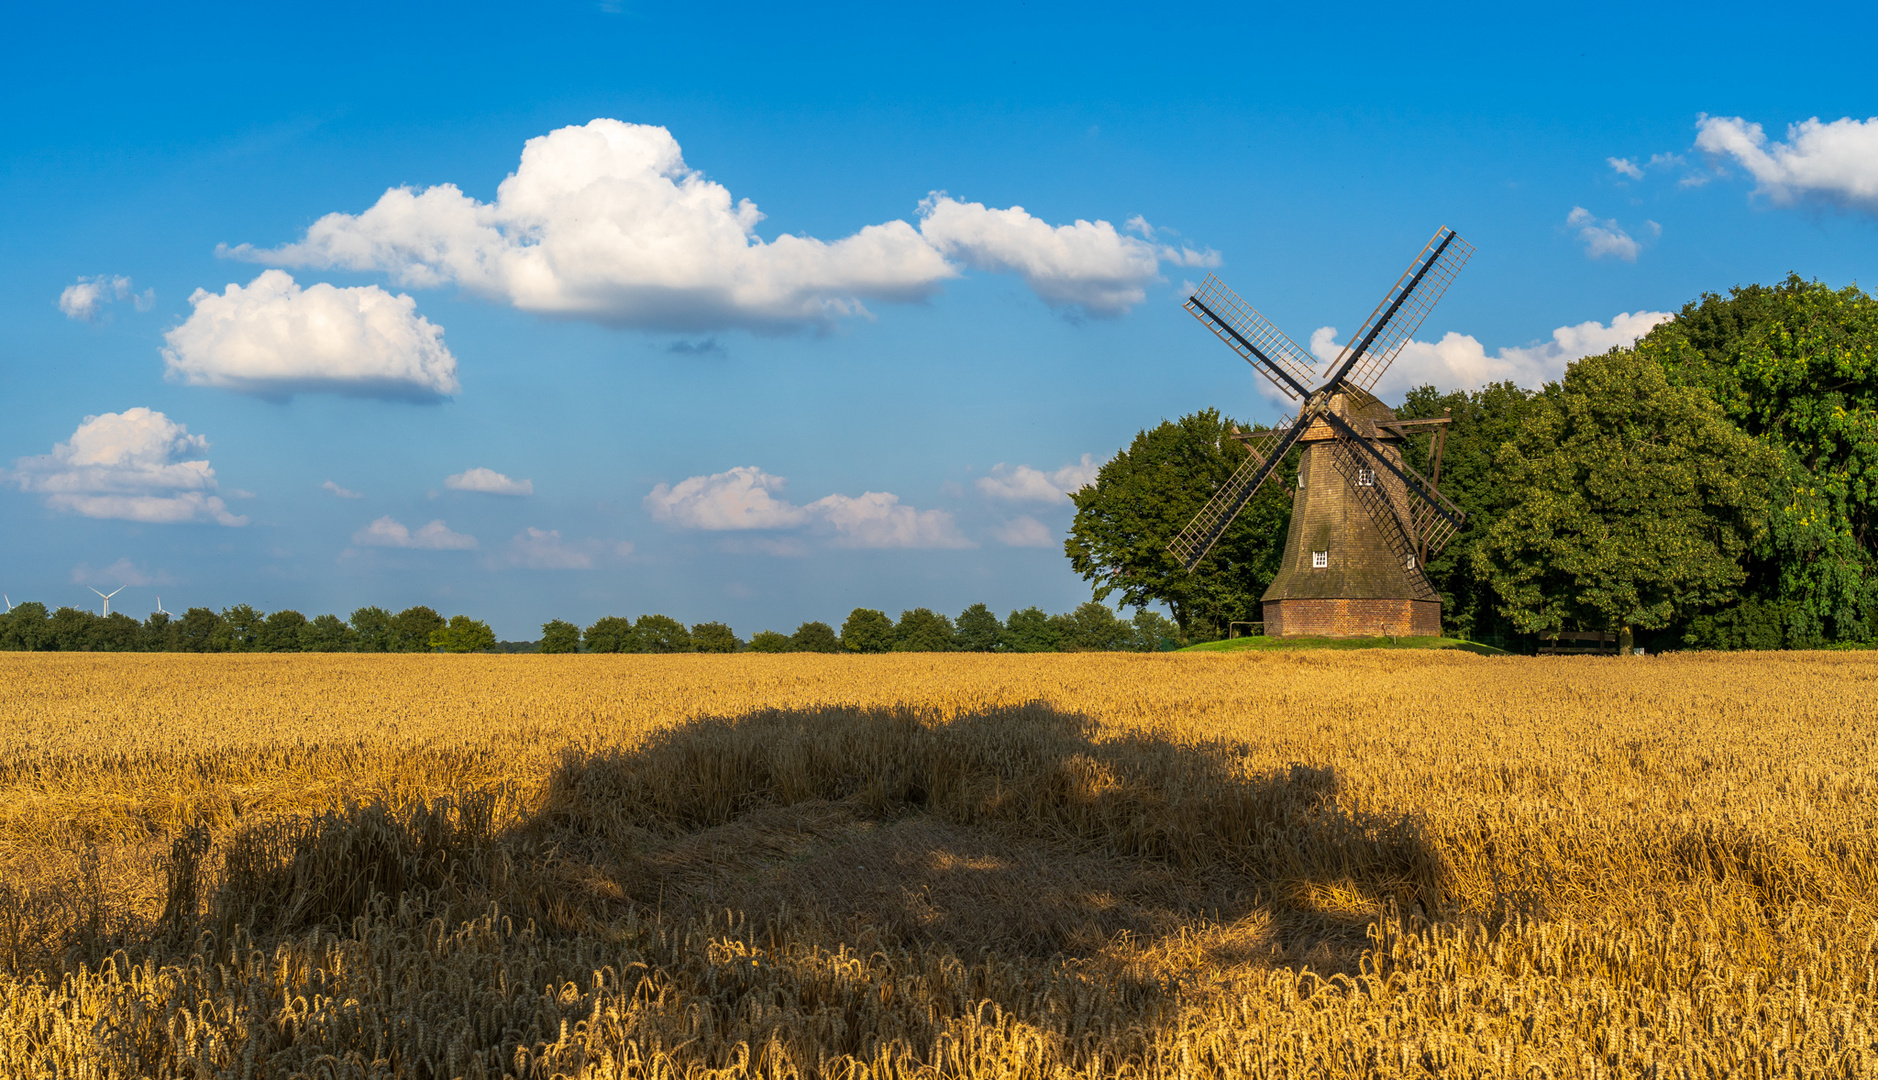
column 619, row 390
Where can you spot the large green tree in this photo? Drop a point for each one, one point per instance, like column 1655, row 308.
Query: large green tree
column 1636, row 502
column 560, row 636
column 463, row 634
column 1030, row 630
column 865, row 631
column 409, row 630
column 815, row 637
column 1147, row 493
column 923, row 630
column 1796, row 364
column 1480, row 423
column 714, row 637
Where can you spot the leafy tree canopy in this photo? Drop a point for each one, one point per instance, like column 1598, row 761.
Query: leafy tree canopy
column 1481, row 422
column 1030, row 630
column 1147, row 493
column 559, row 636
column 662, row 634
column 1796, row 364
column 463, row 634
column 978, row 629
column 611, row 634
column 409, row 630
column 715, row 637
column 1637, row 501
column 814, row 637
column 769, row 641
column 280, row 632
column 326, row 633
column 372, row 624
column 866, row 631
column 923, row 630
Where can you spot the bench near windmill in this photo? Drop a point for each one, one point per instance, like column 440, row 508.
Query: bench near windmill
column 1363, row 523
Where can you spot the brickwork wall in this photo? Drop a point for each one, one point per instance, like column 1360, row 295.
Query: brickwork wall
column 1353, row 618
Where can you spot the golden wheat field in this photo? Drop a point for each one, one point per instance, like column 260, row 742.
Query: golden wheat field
column 1309, row 864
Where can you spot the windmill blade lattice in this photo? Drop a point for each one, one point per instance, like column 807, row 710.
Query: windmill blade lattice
column 1260, row 464
column 1253, row 336
column 1383, row 505
column 1404, row 308
column 1433, row 517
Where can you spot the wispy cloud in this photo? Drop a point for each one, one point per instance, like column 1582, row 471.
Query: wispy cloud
column 86, row 299
column 488, row 482
column 436, row 536
column 1024, row 531
column 344, row 493
column 746, row 498
column 1603, row 239
column 1023, row 483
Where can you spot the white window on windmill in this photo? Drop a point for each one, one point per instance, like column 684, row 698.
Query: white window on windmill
column 1411, row 562
column 1320, row 560
column 1300, row 479
column 1365, row 477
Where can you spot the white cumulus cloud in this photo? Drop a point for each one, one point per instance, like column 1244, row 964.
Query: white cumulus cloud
column 605, row 221
column 1602, row 238
column 1625, row 167
column 274, row 339
column 344, row 493
column 1022, row 483
column 436, row 536
column 1087, row 265
column 744, row 498
column 875, row 519
column 1025, row 531
column 740, row 498
column 129, row 466
column 543, row 549
column 1834, row 162
column 86, row 298
column 489, row 482
column 1461, row 362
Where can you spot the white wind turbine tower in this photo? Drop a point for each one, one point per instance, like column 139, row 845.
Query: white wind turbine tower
column 107, row 597
column 160, row 610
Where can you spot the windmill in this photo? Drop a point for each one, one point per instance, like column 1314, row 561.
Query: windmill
column 1363, row 522
column 9, row 601
column 107, row 598
column 160, row 610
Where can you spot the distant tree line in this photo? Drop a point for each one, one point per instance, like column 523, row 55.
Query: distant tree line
column 1092, row 627
column 242, row 628
column 1714, row 486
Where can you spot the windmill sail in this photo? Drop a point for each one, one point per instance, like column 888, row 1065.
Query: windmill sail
column 1211, row 523
column 1402, row 310
column 1431, row 518
column 1251, row 335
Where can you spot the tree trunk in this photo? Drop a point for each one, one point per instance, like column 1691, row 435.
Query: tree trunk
column 1625, row 639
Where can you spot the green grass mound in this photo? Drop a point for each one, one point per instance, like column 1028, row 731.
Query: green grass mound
column 1266, row 643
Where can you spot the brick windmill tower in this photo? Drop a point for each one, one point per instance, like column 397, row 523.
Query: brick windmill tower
column 1363, row 523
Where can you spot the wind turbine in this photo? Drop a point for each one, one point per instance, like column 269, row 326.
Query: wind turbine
column 160, row 610
column 8, row 599
column 107, row 598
